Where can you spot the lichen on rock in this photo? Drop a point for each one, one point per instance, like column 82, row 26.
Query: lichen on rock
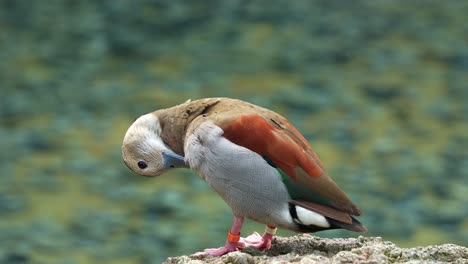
column 310, row 249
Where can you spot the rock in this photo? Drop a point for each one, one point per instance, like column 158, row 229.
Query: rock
column 310, row 249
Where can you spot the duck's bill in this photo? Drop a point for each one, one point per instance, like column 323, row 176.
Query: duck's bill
column 172, row 160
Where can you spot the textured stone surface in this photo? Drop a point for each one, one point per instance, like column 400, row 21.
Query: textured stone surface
column 307, row 249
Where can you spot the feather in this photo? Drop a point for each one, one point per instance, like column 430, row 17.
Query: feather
column 324, row 210
column 272, row 136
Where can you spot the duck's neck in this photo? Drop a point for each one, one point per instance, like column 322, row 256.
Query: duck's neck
column 176, row 120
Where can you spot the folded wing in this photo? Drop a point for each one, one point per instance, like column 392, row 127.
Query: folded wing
column 274, row 138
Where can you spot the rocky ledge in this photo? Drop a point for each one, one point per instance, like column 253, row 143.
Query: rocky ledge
column 310, row 249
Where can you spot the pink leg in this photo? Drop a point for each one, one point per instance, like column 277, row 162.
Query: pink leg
column 260, row 242
column 232, row 243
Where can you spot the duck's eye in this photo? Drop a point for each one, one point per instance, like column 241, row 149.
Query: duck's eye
column 142, row 164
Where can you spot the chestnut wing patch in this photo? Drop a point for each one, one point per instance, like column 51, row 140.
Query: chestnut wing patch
column 282, row 145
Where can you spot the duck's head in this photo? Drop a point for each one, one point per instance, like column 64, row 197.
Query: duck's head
column 145, row 152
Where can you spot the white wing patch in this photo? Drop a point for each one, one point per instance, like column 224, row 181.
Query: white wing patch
column 311, row 218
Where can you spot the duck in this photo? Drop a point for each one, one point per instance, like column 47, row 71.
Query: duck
column 252, row 157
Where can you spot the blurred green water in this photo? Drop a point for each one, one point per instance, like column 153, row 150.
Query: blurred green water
column 378, row 87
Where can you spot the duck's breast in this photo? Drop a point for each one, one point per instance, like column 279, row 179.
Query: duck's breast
column 248, row 184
